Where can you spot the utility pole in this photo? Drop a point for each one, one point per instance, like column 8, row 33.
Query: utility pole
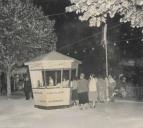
column 106, row 57
column 106, row 47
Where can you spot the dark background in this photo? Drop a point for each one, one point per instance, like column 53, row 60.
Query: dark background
column 77, row 39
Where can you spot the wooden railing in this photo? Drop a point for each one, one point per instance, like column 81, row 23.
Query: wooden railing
column 134, row 92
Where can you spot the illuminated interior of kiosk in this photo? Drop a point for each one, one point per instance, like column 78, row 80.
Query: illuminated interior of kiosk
column 57, row 77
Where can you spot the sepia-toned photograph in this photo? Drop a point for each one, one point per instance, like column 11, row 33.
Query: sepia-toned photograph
column 71, row 63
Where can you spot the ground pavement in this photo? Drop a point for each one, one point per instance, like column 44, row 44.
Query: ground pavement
column 19, row 113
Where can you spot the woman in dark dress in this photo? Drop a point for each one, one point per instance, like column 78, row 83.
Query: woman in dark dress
column 82, row 88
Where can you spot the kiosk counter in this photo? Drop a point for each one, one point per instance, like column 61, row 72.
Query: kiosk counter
column 53, row 96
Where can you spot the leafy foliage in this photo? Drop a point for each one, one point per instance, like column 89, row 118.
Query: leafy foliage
column 97, row 11
column 24, row 32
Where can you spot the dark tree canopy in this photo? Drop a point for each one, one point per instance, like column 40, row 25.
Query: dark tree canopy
column 24, row 32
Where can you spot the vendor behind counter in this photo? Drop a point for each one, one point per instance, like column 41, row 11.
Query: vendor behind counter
column 51, row 84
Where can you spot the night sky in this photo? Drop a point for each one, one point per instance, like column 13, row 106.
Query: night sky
column 77, row 39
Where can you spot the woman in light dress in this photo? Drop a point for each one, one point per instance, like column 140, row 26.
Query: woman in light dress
column 111, row 87
column 101, row 89
column 92, row 91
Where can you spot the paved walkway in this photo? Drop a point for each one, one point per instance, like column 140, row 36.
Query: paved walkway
column 19, row 113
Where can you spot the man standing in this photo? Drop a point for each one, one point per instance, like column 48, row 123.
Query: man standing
column 82, row 88
column 27, row 88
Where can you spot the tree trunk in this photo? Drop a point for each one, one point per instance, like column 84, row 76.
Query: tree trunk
column 8, row 76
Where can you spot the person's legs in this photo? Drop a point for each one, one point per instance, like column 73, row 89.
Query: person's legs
column 74, row 103
column 80, row 102
column 77, row 102
column 90, row 104
column 27, row 95
column 90, row 99
column 93, row 104
column 30, row 95
column 74, row 97
column 112, row 94
column 94, row 98
column 86, row 100
column 101, row 95
column 83, row 98
column 0, row 90
column 80, row 105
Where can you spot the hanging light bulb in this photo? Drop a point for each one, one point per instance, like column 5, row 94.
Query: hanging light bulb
column 75, row 52
column 93, row 49
column 122, row 37
column 142, row 39
column 115, row 44
column 125, row 34
column 127, row 42
column 84, row 50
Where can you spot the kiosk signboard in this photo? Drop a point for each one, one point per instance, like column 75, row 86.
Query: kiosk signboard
column 52, row 96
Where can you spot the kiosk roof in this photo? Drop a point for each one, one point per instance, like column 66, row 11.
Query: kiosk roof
column 53, row 56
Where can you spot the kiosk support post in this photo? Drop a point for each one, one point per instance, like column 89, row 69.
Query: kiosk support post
column 61, row 75
column 56, row 74
column 76, row 72
column 44, row 75
column 70, row 74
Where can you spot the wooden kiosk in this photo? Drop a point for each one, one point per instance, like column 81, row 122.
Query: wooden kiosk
column 51, row 75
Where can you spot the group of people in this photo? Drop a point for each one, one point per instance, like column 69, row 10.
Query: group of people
column 84, row 92
column 89, row 92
